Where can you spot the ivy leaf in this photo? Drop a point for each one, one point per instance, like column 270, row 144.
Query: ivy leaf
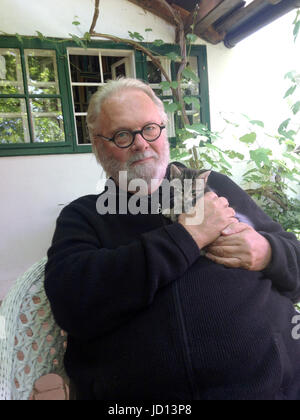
column 291, row 145
column 174, row 85
column 190, row 75
column 136, row 35
column 206, row 158
column 296, row 108
column 87, row 36
column 191, row 38
column 250, row 172
column 78, row 41
column 282, row 130
column 165, row 85
column 257, row 122
column 40, row 35
column 172, row 56
column 19, row 38
column 75, row 21
column 171, row 107
column 232, row 155
column 158, row 42
column 291, row 75
column 283, row 126
column 224, row 161
column 190, row 100
column 248, row 138
column 296, row 30
column 260, row 156
column 290, row 91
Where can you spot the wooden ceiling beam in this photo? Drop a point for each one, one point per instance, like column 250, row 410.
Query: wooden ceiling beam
column 155, row 7
column 221, row 9
column 202, row 9
column 240, row 14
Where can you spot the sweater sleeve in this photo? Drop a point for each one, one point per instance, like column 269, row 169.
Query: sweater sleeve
column 284, row 269
column 93, row 290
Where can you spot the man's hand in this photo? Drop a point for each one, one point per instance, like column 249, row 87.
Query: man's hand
column 240, row 246
column 217, row 216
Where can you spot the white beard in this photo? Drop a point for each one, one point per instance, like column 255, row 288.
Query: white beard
column 155, row 169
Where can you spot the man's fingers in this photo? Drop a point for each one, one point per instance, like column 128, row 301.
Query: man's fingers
column 227, row 262
column 235, row 227
column 223, row 251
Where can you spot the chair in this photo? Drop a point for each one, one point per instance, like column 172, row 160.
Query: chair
column 31, row 343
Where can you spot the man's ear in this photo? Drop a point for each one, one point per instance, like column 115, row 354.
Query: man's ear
column 175, row 172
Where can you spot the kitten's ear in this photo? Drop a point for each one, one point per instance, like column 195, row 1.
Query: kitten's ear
column 175, row 172
column 204, row 176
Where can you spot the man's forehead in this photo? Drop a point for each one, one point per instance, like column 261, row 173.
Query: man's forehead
column 121, row 108
column 126, row 95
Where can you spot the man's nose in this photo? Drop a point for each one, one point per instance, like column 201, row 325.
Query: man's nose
column 140, row 144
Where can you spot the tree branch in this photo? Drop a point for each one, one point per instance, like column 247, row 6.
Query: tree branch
column 137, row 46
column 95, row 17
column 268, row 194
column 182, row 42
column 177, row 93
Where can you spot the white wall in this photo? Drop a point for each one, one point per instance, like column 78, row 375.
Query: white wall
column 250, row 77
column 247, row 78
column 55, row 17
column 33, row 192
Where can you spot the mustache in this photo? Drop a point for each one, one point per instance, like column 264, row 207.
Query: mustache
column 140, row 156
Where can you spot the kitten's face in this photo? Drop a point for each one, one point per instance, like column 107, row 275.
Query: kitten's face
column 193, row 190
column 187, row 173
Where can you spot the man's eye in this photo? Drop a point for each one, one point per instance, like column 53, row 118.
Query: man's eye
column 122, row 134
column 150, row 127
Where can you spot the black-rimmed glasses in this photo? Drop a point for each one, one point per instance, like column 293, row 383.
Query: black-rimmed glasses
column 125, row 138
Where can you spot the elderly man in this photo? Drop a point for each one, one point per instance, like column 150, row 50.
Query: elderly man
column 147, row 316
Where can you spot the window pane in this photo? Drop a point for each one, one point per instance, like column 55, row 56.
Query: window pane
column 47, row 120
column 13, row 121
column 82, row 130
column 191, row 87
column 108, row 65
column 11, row 78
column 42, row 72
column 85, row 68
column 153, row 73
column 158, row 92
column 82, row 95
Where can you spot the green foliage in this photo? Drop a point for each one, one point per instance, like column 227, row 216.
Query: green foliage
column 272, row 174
column 296, row 24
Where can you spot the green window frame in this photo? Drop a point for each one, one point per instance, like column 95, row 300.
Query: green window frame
column 33, row 99
column 60, row 49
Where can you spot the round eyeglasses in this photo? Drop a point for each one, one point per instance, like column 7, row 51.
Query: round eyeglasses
column 125, row 138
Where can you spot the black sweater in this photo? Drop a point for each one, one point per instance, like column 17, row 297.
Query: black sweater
column 147, row 317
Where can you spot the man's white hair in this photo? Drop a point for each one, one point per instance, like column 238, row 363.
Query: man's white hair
column 112, row 88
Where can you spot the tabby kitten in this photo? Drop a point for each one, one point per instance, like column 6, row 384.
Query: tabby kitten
column 187, row 192
column 190, row 197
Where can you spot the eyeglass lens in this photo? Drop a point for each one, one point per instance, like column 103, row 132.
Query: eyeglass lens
column 150, row 133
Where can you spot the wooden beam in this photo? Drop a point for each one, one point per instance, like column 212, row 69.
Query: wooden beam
column 202, row 9
column 212, row 36
column 242, row 13
column 222, row 9
column 155, row 7
column 183, row 12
